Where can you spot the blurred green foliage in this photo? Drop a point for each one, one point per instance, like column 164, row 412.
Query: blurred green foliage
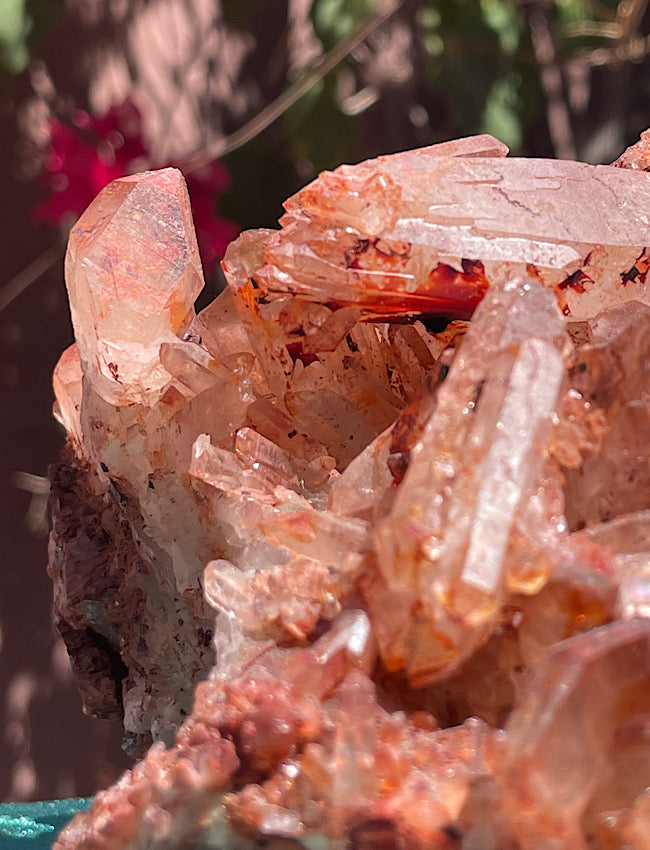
column 476, row 59
column 476, row 52
column 471, row 51
column 22, row 24
column 474, row 70
column 14, row 29
column 333, row 20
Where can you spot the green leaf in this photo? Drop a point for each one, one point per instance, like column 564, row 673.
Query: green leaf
column 14, row 29
column 500, row 115
column 502, row 18
column 334, row 20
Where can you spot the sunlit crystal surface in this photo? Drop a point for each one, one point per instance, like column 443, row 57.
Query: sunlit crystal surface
column 429, row 231
column 364, row 546
column 476, row 464
column 133, row 271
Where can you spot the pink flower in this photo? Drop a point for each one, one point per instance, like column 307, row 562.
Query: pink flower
column 91, row 152
column 84, row 157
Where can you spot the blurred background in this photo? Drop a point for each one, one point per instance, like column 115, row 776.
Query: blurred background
column 251, row 99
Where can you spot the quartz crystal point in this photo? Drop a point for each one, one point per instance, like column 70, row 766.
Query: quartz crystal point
column 133, row 271
column 127, row 590
column 372, row 578
column 449, row 545
column 429, row 230
column 636, row 157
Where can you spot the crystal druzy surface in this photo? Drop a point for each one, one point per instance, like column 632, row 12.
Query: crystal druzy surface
column 364, row 546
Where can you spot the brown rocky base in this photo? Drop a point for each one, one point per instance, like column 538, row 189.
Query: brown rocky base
column 428, row 542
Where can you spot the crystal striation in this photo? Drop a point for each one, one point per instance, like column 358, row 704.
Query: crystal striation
column 364, row 546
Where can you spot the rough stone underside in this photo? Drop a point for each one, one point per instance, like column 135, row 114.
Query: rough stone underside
column 404, row 457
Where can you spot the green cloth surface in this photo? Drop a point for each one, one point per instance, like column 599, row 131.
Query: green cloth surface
column 35, row 826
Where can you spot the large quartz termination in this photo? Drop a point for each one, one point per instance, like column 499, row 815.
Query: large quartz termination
column 133, row 278
column 405, row 457
column 461, row 533
column 429, row 230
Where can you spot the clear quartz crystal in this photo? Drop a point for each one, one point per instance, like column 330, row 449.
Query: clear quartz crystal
column 559, row 753
column 405, row 231
column 446, row 542
column 134, row 272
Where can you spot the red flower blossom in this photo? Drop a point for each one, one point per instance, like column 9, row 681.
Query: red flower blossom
column 91, row 152
column 85, row 156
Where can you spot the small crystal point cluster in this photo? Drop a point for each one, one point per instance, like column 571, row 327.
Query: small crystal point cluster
column 364, row 546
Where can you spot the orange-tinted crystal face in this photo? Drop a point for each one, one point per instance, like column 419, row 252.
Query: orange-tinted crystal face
column 426, row 231
column 133, row 272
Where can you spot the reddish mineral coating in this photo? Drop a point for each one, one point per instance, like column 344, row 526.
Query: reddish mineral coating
column 637, row 157
column 428, row 551
column 427, row 231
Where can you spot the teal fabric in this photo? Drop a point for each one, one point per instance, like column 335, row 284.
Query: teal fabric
column 35, row 826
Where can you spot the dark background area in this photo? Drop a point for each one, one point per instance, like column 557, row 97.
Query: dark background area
column 563, row 79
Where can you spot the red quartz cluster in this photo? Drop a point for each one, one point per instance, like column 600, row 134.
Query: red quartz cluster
column 427, row 540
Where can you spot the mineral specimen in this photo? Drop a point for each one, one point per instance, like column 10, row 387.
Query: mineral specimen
column 427, row 540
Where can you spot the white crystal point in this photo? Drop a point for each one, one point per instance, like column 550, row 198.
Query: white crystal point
column 133, row 272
